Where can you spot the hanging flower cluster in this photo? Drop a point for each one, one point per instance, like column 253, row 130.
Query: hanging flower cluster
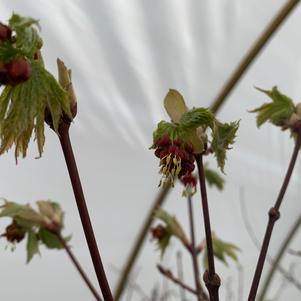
column 177, row 142
column 176, row 157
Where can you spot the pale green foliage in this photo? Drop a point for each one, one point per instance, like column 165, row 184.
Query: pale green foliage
column 196, row 117
column 22, row 106
column 174, row 105
column 223, row 135
column 278, row 112
column 166, row 128
column 27, row 38
column 22, row 110
column 172, row 227
column 36, row 224
column 221, row 250
column 214, row 179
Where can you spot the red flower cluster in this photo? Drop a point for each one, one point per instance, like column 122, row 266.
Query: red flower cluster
column 176, row 158
column 14, row 233
column 16, row 71
column 159, row 232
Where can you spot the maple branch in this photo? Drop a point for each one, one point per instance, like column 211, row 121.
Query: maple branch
column 274, row 215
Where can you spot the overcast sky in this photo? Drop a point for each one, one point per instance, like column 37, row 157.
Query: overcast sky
column 125, row 55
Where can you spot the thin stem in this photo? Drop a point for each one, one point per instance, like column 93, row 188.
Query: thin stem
column 78, row 267
column 168, row 274
column 83, row 210
column 284, row 272
column 211, row 279
column 253, row 52
column 217, row 103
column 193, row 252
column 274, row 215
column 180, row 274
column 123, row 279
column 292, row 232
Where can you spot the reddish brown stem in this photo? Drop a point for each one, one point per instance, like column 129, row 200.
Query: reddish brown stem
column 168, row 274
column 200, row 294
column 211, row 279
column 274, row 215
column 83, row 210
column 79, row 268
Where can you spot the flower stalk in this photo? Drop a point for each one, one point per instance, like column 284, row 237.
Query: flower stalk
column 200, row 294
column 211, row 279
column 83, row 210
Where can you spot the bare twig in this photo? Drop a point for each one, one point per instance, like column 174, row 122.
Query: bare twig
column 211, row 279
column 78, row 267
column 274, row 215
column 292, row 232
column 286, row 274
column 83, row 210
column 253, row 52
column 193, row 251
column 168, row 274
column 180, row 274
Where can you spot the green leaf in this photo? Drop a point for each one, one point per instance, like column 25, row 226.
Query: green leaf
column 166, row 128
column 51, row 211
column 214, row 179
column 8, row 52
column 50, row 240
column 196, row 117
column 172, row 225
column 22, row 110
column 223, row 135
column 278, row 111
column 221, row 250
column 32, row 245
column 27, row 38
column 11, row 209
column 174, row 105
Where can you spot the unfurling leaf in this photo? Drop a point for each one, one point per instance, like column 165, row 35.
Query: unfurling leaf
column 22, row 110
column 214, row 179
column 221, row 250
column 32, row 245
column 278, row 112
column 172, row 225
column 166, row 128
column 196, row 117
column 52, row 211
column 174, row 105
column 27, row 38
column 223, row 135
column 50, row 240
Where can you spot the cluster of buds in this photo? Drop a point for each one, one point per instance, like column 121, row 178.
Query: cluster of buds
column 159, row 232
column 14, row 233
column 189, row 181
column 16, row 71
column 176, row 158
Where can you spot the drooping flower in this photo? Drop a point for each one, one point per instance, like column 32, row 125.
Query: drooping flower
column 176, row 158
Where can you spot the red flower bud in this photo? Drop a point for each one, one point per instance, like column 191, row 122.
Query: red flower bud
column 5, row 32
column 159, row 232
column 163, row 141
column 14, row 233
column 189, row 179
column 19, row 70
